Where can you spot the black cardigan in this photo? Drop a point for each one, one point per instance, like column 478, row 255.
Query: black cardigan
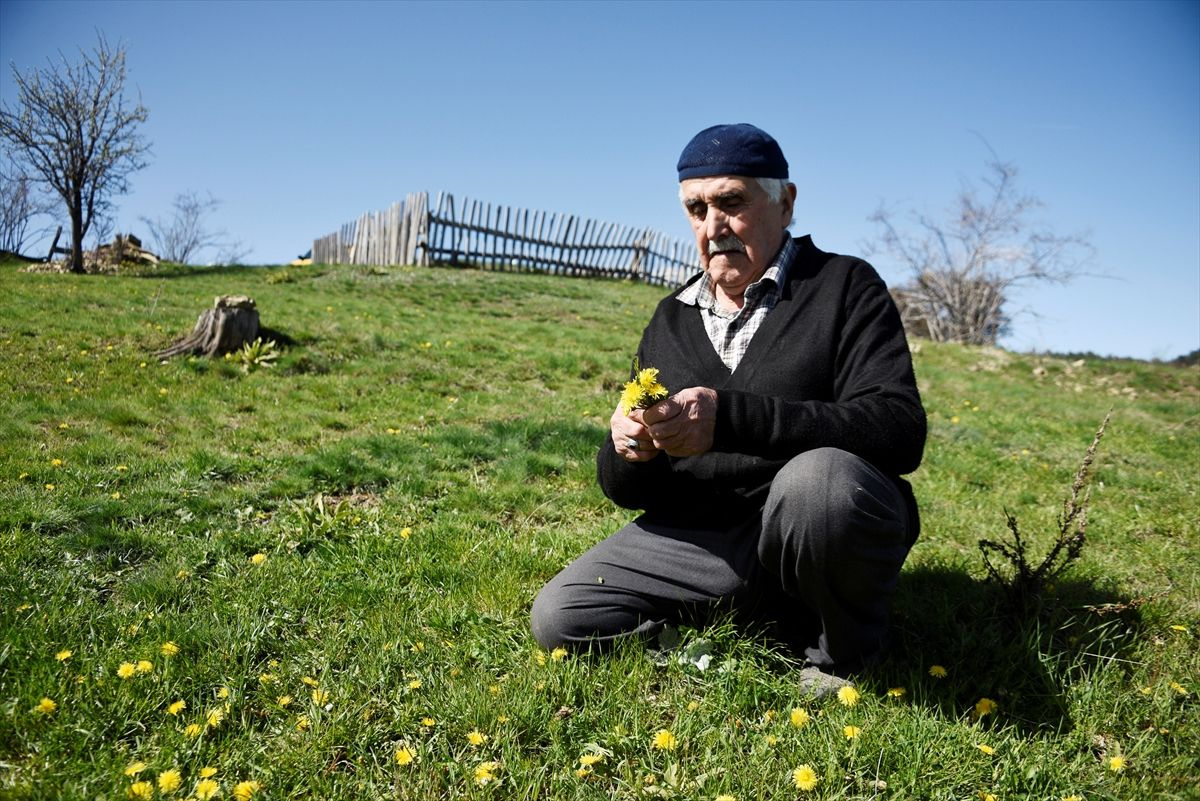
column 830, row 366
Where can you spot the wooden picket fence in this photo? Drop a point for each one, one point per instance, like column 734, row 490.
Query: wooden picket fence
column 478, row 234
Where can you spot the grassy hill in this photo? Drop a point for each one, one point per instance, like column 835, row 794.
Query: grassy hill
column 316, row 576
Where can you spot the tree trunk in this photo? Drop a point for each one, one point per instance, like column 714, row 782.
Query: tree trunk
column 77, row 240
column 227, row 326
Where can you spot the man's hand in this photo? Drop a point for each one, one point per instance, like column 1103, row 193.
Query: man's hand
column 630, row 437
column 683, row 424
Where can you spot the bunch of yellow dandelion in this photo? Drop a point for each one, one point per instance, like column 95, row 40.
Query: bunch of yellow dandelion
column 1117, row 764
column 663, row 740
column 847, row 696
column 405, row 755
column 852, row 732
column 476, row 738
column 168, row 648
column 804, row 777
column 644, row 390
column 46, row 706
column 799, row 718
column 63, row 655
column 937, row 671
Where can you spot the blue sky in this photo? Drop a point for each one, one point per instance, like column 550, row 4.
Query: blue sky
column 301, row 116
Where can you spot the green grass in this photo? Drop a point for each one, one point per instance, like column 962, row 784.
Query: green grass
column 420, row 461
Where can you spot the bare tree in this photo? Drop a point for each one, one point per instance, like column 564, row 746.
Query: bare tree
column 184, row 234
column 962, row 269
column 72, row 126
column 20, row 205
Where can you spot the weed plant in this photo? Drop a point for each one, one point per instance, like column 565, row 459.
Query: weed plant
column 314, row 581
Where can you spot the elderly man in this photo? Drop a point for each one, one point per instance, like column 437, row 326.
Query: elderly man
column 770, row 477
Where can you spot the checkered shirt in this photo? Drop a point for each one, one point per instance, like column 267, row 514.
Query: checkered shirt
column 730, row 330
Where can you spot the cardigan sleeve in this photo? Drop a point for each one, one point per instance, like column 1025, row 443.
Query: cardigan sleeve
column 872, row 407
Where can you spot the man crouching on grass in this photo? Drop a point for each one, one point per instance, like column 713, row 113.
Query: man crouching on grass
column 770, row 478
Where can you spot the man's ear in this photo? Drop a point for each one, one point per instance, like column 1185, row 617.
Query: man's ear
column 788, row 204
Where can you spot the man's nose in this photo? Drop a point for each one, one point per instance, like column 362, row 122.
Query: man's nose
column 716, row 223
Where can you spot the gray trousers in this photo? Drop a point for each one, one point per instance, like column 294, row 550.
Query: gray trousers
column 821, row 564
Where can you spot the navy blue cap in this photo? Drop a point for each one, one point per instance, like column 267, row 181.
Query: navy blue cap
column 740, row 149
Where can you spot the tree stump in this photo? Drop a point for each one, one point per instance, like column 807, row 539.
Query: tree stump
column 226, row 327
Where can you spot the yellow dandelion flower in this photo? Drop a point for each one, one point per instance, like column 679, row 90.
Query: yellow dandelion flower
column 310, row 681
column 937, row 671
column 223, row 692
column 558, row 654
column 258, row 558
column 405, row 533
column 121, row 468
column 540, row 657
column 126, row 670
column 320, row 697
column 485, row 772
column 587, row 760
column 799, row 718
column 206, row 789
column 169, row 781
column 176, row 707
column 415, row 684
column 1072, row 798
column 64, row 425
column 1145, row 690
column 183, row 574
column 476, row 738
column 581, row 772
column 984, row 707
column 46, row 706
column 852, row 732
column 135, row 768
column 772, row 740
column 987, row 749
column 1183, row 629
column 663, row 740
column 725, row 797
column 494, row 689
column 116, row 496
column 168, row 648
column 56, row 462
column 804, row 777
column 405, row 755
column 986, row 796
column 141, row 790
column 267, row 678
column 631, row 396
column 303, row 723
column 896, row 692
column 145, row 666
column 1179, row 688
column 1117, row 764
column 428, row 723
column 215, row 716
column 207, row 772
column 283, row 700
column 848, row 696
column 49, row 488
column 193, row 730
column 244, row 791
column 693, row 706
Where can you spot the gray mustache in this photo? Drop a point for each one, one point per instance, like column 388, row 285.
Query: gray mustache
column 726, row 243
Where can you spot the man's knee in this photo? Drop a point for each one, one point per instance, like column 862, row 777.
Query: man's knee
column 823, row 503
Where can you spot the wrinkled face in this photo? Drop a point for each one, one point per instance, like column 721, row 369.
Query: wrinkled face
column 737, row 228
